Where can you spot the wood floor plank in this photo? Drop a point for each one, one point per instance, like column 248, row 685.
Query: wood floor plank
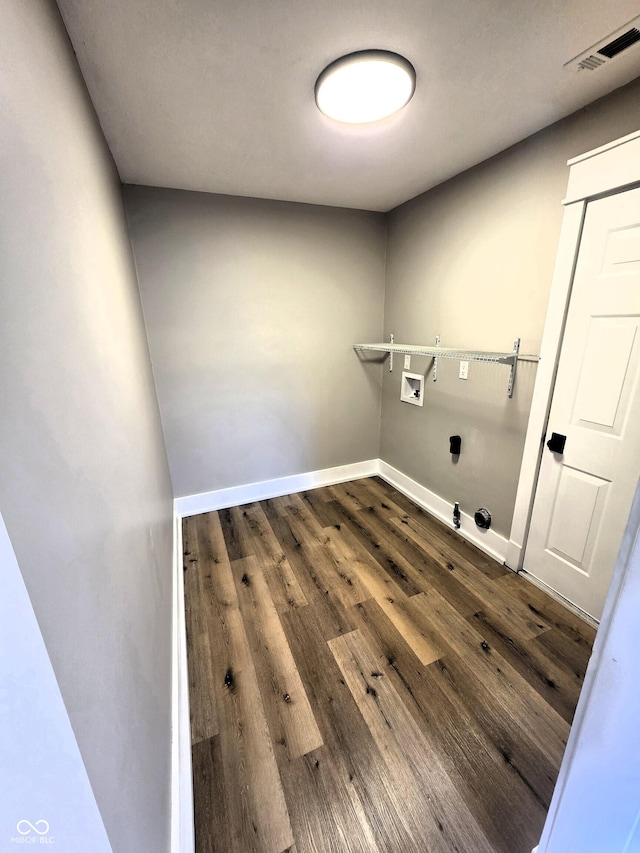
column 329, row 562
column 550, row 611
column 439, row 531
column 404, row 572
column 300, row 509
column 291, row 720
column 510, row 691
column 342, row 577
column 283, row 584
column 509, row 733
column 407, row 619
column 363, row 680
column 329, row 566
column 326, row 813
column 257, row 813
column 508, row 614
column 235, row 543
column 569, row 642
column 325, row 509
column 213, row 831
column 455, row 734
column 414, row 552
column 314, row 582
column 369, row 493
column 275, row 507
column 346, row 494
column 203, row 712
column 573, row 654
column 189, row 543
column 446, row 823
column 559, row 685
column 346, row 735
column 410, row 624
column 379, row 583
column 458, row 546
column 396, row 552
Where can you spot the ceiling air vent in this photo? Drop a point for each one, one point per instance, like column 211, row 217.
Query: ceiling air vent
column 621, row 43
column 590, row 63
column 612, row 46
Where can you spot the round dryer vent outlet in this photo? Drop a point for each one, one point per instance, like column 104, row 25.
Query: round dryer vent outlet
column 483, row 518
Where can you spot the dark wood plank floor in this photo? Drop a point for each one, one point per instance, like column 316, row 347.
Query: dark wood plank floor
column 363, row 679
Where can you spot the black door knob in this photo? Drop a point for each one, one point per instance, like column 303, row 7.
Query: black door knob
column 556, row 443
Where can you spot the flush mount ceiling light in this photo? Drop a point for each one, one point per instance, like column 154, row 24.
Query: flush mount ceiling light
column 365, row 86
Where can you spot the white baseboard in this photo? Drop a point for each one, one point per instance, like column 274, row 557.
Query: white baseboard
column 238, row 495
column 489, row 541
column 182, row 829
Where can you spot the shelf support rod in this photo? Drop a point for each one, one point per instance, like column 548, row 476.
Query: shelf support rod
column 391, row 355
column 435, row 360
column 514, row 364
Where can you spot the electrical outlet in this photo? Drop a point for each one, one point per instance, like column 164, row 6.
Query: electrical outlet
column 407, row 362
column 464, row 370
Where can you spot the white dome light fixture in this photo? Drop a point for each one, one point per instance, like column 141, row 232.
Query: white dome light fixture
column 365, row 86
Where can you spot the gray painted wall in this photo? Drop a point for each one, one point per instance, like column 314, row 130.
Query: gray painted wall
column 472, row 261
column 85, row 490
column 44, row 788
column 252, row 308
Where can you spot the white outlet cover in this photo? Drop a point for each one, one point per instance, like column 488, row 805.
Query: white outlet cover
column 464, row 370
column 407, row 362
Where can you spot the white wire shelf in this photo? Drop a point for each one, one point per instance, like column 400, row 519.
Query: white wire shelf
column 436, row 352
column 446, row 352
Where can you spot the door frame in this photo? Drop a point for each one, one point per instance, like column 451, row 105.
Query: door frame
column 606, row 170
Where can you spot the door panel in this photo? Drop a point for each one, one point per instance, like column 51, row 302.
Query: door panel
column 584, row 495
column 622, row 252
column 603, row 374
column 576, row 515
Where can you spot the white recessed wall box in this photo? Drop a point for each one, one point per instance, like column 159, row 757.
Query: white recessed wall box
column 412, row 388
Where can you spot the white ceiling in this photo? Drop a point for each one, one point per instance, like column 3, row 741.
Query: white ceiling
column 218, row 95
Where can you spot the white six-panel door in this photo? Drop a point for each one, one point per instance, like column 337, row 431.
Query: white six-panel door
column 584, row 494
